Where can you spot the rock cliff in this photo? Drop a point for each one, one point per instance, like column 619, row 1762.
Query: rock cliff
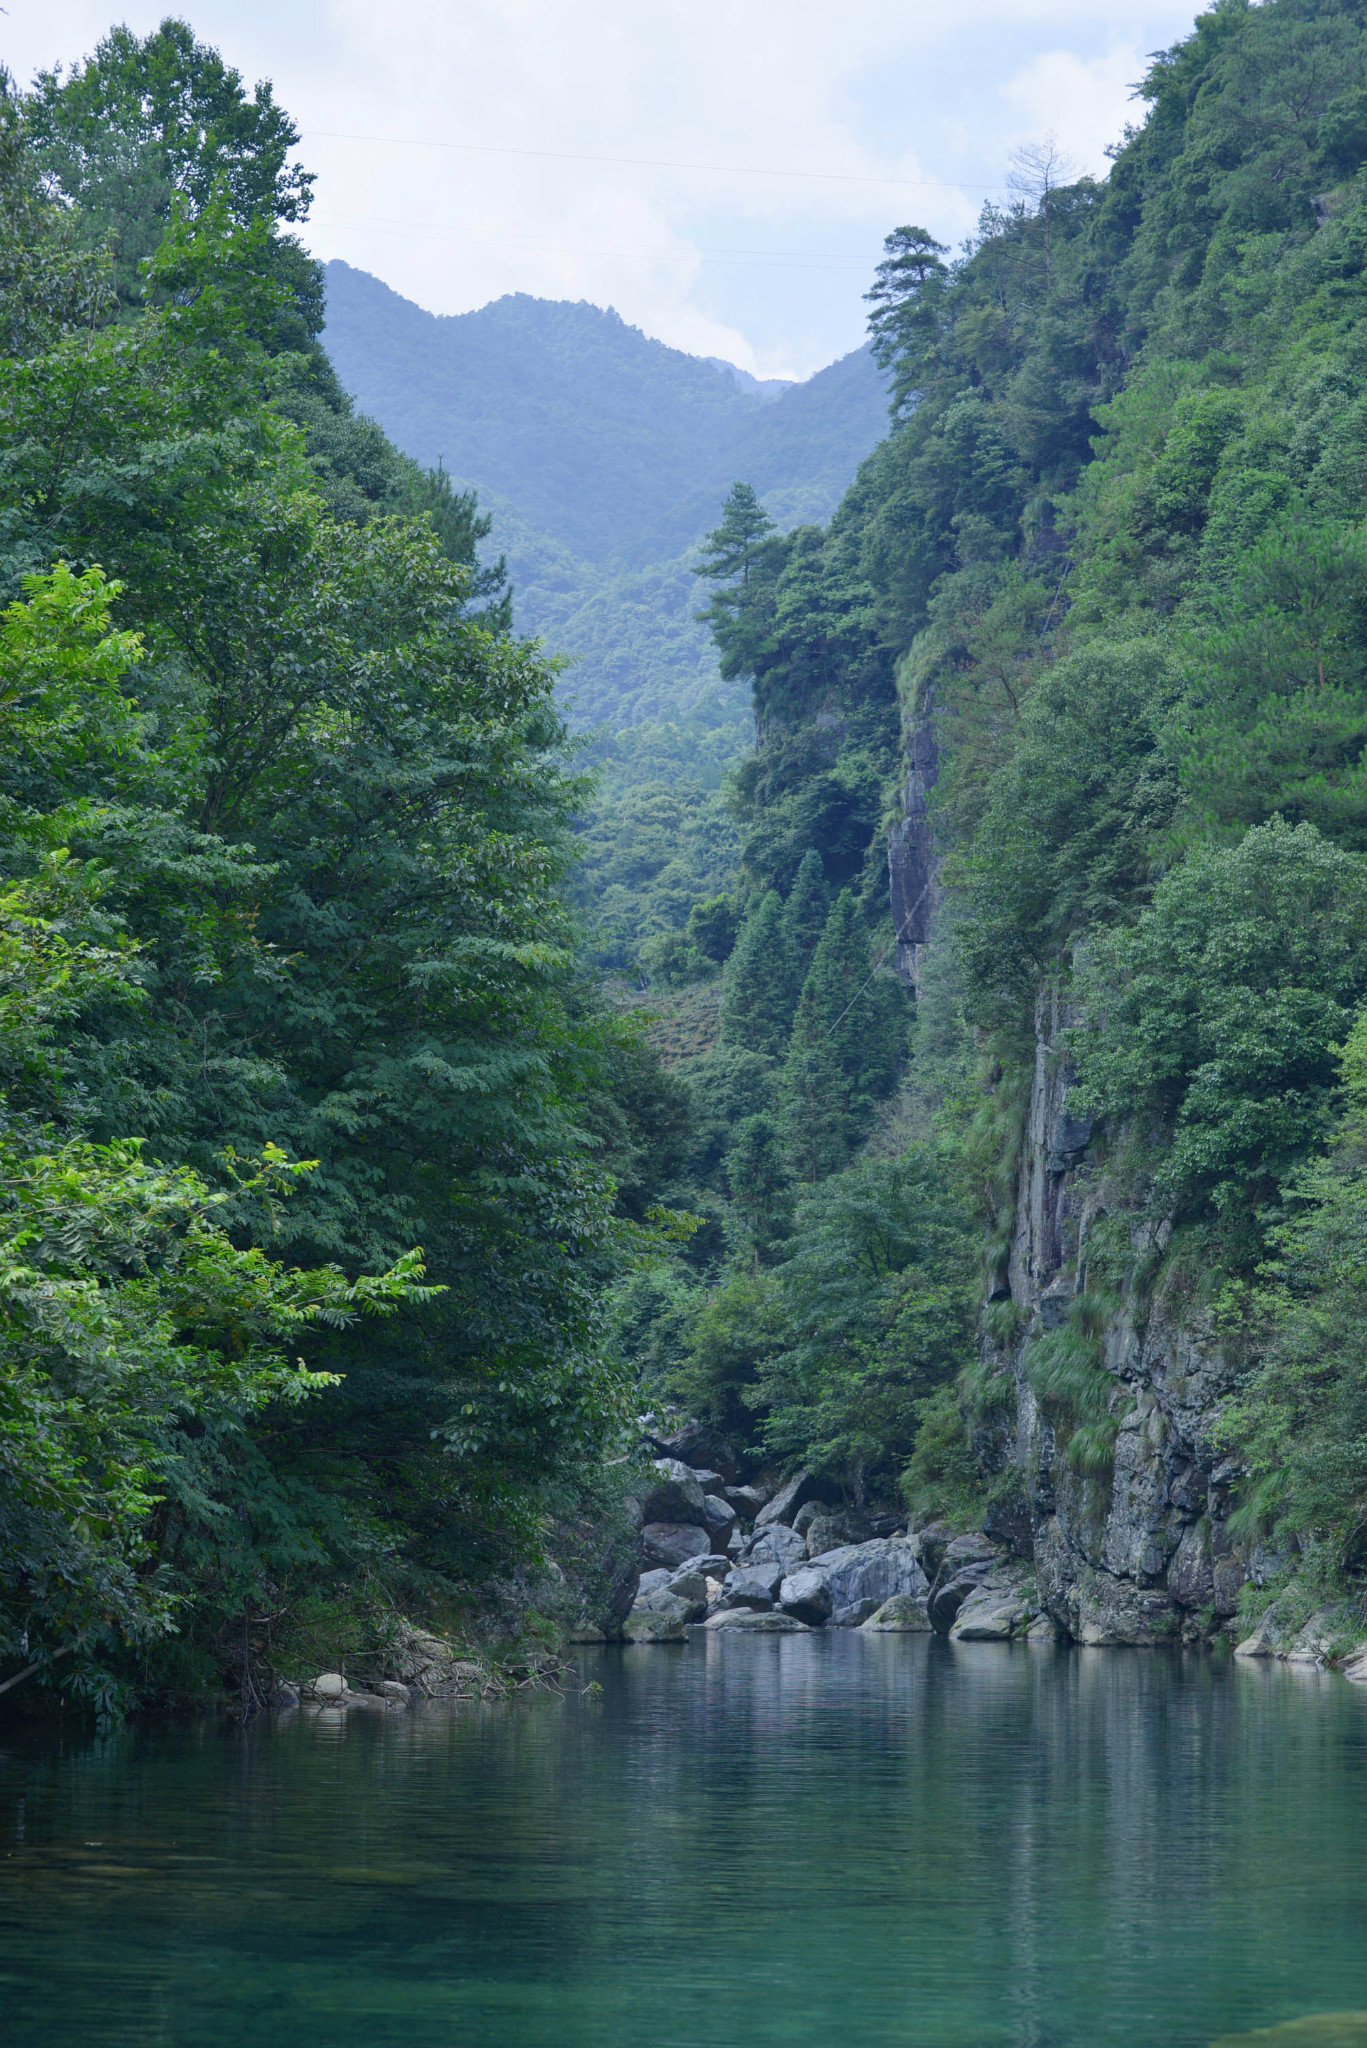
column 1130, row 1541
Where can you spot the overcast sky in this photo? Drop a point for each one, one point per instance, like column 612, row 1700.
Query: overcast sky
column 462, row 146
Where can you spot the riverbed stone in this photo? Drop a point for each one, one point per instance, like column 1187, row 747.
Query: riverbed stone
column 748, row 1622
column 700, row 1446
column 673, row 1495
column 1003, row 1606
column 394, row 1691
column 807, row 1594
column 795, row 1493
column 719, row 1519
column 329, row 1686
column 903, row 1615
column 754, row 1585
column 778, row 1545
column 746, row 1500
column 645, row 1625
column 674, row 1543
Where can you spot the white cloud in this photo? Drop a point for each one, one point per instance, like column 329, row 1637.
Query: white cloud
column 888, row 103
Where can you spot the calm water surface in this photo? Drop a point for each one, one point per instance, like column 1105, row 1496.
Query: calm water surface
column 832, row 1839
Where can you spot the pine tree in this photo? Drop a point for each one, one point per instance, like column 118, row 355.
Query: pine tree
column 756, row 1008
column 758, row 1179
column 731, row 548
column 804, row 919
column 848, row 1037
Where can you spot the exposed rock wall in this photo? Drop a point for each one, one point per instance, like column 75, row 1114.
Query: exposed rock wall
column 913, row 869
column 1141, row 1553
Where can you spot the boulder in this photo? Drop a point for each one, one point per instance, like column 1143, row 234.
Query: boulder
column 674, row 1543
column 805, row 1516
column 795, row 1493
column 283, row 1696
column 837, row 1531
column 746, row 1500
column 709, row 1481
column 775, row 1546
column 674, row 1495
column 953, row 1584
column 719, row 1519
column 700, row 1446
column 754, row 1586
column 685, row 1597
column 747, row 1619
column 394, row 1692
column 807, row 1595
column 652, row 1581
column 1005, row 1604
column 1356, row 1667
column 330, row 1687
column 903, row 1615
column 714, row 1565
column 643, row 1625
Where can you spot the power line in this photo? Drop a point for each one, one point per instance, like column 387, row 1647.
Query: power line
column 650, row 163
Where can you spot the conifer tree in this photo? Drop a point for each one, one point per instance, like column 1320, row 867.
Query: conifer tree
column 756, row 1008
column 804, row 918
column 758, row 1178
column 847, row 1037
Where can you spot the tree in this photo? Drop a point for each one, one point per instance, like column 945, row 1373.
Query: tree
column 756, row 1007
column 742, row 556
column 804, row 918
column 758, row 1179
column 849, row 1034
column 903, row 324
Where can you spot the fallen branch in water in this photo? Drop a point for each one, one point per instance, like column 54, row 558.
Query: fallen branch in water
column 37, row 1665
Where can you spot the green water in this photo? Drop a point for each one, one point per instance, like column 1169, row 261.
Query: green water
column 831, row 1839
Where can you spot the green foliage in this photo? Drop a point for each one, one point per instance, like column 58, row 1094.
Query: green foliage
column 1214, row 1018
column 877, row 1290
column 757, row 1006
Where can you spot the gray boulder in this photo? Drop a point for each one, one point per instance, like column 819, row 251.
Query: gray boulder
column 754, row 1586
column 685, row 1597
column 1004, row 1604
column 903, row 1615
column 953, row 1584
column 795, row 1493
column 775, row 1546
column 719, row 1519
column 837, row 1531
column 700, row 1446
column 747, row 1620
column 651, row 1582
column 857, row 1579
column 646, row 1625
column 674, row 1496
column 713, row 1566
column 807, row 1595
column 673, row 1543
column 746, row 1500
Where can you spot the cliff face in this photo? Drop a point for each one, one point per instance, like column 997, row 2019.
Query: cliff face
column 1139, row 1553
column 913, row 872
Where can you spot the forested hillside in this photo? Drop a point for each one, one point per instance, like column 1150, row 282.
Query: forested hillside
column 320, row 1149
column 601, row 455
column 1084, row 646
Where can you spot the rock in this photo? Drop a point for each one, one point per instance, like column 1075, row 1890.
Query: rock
column 804, row 1486
column 673, row 1543
column 675, row 1495
column 1008, row 1522
column 652, row 1581
column 747, row 1619
column 1004, row 1605
column 735, row 1543
column 394, row 1691
column 589, row 1633
column 746, row 1500
column 848, row 1585
column 903, row 1615
column 807, row 1595
column 283, row 1696
column 719, row 1519
column 1356, row 1667
column 1264, row 1639
column 972, row 1548
column 953, row 1584
column 704, row 1448
column 714, row 1564
column 931, row 1543
column 373, row 1700
column 685, row 1597
column 329, row 1686
column 433, row 1668
column 644, row 1626
column 775, row 1546
column 835, row 1532
column 754, row 1585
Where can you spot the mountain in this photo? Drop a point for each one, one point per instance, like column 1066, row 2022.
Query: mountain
column 603, row 457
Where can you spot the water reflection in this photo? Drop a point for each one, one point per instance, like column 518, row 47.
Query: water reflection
column 771, row 1840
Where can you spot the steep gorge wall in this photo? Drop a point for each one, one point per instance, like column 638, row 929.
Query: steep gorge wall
column 1139, row 1553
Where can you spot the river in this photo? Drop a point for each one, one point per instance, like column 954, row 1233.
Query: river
column 832, row 1839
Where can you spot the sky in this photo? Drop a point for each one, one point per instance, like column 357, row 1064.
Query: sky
column 722, row 174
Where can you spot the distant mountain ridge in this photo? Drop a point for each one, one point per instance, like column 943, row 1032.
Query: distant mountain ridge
column 604, row 457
